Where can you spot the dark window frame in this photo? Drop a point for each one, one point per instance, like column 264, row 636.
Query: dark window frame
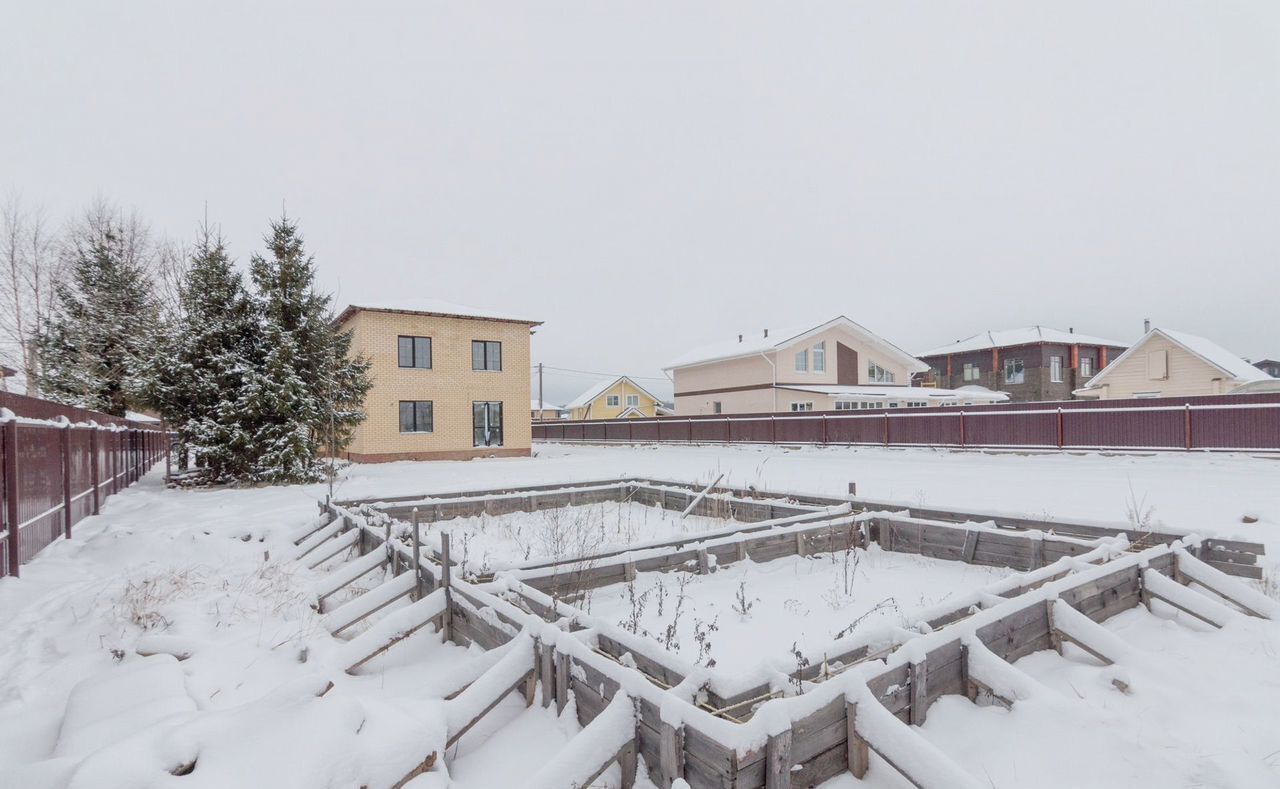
column 482, row 435
column 487, row 356
column 415, row 406
column 413, row 352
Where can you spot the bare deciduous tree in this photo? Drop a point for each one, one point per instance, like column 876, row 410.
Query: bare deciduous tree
column 28, row 269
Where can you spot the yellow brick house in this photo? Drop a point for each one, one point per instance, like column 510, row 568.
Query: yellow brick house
column 449, row 382
column 615, row 398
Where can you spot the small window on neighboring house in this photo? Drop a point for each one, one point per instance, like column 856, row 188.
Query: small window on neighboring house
column 415, row 416
column 894, row 405
column 486, row 355
column 802, row 361
column 415, row 352
column 845, row 405
column 1086, row 366
column 917, row 404
column 633, row 401
column 1014, row 372
column 802, row 406
column 877, row 374
column 972, row 372
column 1157, row 365
column 871, row 405
column 1055, row 369
column 1146, row 395
column 611, row 401
column 820, row 358
column 715, row 407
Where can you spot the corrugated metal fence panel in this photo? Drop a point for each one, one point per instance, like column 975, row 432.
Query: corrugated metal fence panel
column 1235, row 428
column 619, row 430
column 933, row 427
column 855, row 429
column 709, row 429
column 758, row 430
column 805, row 429
column 1038, row 429
column 1135, row 429
column 644, row 430
column 80, row 442
column 39, row 487
column 673, row 430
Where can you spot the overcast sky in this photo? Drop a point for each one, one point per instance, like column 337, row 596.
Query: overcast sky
column 648, row 176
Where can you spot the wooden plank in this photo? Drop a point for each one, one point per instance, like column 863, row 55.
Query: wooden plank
column 778, row 756
column 671, row 752
column 562, row 681
column 858, row 754
column 919, row 692
column 546, row 658
column 970, row 545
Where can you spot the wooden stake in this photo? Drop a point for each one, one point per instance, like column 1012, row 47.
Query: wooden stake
column 417, row 557
column 547, row 659
column 778, row 766
column 919, row 692
column 670, row 753
column 704, row 562
column 859, row 754
column 445, row 581
column 562, row 681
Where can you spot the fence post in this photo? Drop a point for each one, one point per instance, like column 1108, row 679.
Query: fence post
column 824, row 428
column 93, row 465
column 1187, row 425
column 65, row 446
column 11, row 493
column 962, row 428
column 446, row 580
column 886, row 427
column 1060, row 427
column 417, row 557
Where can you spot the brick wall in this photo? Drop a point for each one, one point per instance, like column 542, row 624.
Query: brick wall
column 450, row 385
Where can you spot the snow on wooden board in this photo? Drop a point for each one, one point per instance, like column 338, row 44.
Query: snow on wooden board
column 370, row 602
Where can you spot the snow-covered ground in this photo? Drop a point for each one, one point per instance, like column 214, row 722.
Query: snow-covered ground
column 801, row 603
column 202, row 572
column 483, row 541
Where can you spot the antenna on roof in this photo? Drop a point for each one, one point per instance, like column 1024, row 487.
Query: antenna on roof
column 766, row 332
column 1146, row 325
column 739, row 338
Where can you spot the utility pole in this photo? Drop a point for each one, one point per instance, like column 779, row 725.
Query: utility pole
column 541, row 404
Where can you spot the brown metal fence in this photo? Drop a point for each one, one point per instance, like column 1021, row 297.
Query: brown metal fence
column 1226, row 423
column 56, row 474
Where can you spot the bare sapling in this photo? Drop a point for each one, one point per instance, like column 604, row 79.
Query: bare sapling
column 743, row 604
column 702, row 637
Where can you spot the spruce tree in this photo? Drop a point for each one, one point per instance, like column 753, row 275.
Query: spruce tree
column 200, row 367
column 304, row 385
column 97, row 341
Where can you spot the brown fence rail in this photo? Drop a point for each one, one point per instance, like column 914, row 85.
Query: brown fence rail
column 1224, row 423
column 56, row 474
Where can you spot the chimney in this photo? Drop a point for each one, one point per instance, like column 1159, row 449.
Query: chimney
column 1071, row 330
column 1146, row 325
column 739, row 338
column 766, row 332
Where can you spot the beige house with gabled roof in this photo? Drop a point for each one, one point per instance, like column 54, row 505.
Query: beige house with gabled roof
column 449, row 382
column 834, row 365
column 615, row 398
column 1167, row 363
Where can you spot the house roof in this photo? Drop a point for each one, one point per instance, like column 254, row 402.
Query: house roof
column 975, row 393
column 752, row 345
column 600, row 387
column 436, row 307
column 544, row 406
column 1226, row 361
column 1027, row 335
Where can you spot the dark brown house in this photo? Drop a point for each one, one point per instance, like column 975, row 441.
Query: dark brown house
column 1030, row 364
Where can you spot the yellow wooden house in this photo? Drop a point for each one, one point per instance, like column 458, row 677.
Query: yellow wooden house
column 615, row 398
